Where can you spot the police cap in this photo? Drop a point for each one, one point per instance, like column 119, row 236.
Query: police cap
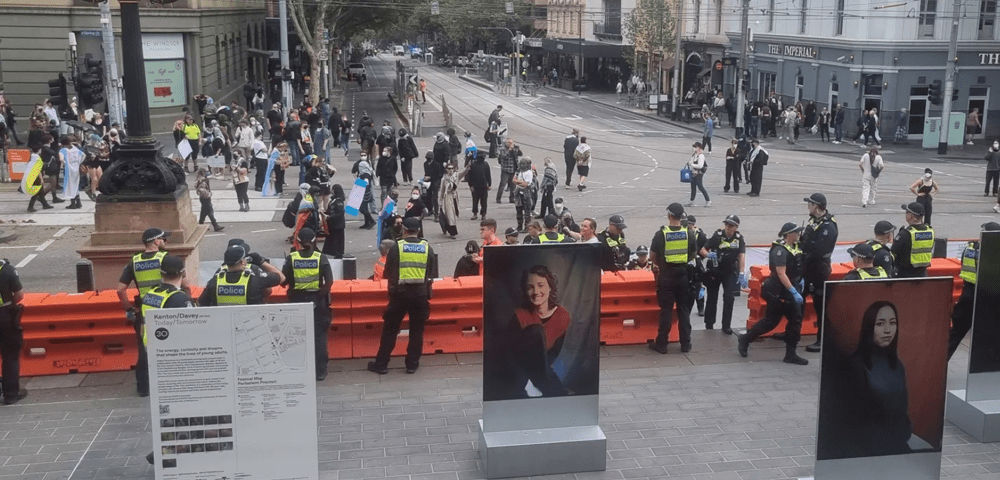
column 511, row 232
column 551, row 221
column 238, row 242
column 789, row 227
column 732, row 220
column 817, row 199
column 618, row 221
column 883, row 227
column 411, row 224
column 234, row 254
column 914, row 208
column 172, row 265
column 152, row 234
column 642, row 250
column 307, row 235
column 991, row 226
column 862, row 250
column 676, row 210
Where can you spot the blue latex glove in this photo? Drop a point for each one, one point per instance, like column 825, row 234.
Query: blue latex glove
column 802, row 285
column 797, row 296
column 701, row 293
column 712, row 256
column 743, row 280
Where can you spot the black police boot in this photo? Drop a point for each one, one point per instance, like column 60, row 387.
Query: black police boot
column 379, row 369
column 792, row 357
column 743, row 344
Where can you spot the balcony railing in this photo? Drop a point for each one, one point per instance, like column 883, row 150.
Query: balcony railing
column 608, row 29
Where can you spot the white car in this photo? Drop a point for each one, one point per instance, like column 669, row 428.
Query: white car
column 354, row 70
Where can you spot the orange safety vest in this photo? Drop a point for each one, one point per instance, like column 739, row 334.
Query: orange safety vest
column 379, row 269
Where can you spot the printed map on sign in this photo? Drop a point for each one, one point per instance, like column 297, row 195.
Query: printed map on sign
column 270, row 343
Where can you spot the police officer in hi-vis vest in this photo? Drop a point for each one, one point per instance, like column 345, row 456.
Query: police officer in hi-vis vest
column 961, row 315
column 880, row 245
column 782, row 292
column 144, row 270
column 410, row 268
column 914, row 244
column 309, row 278
column 673, row 246
column 168, row 294
column 237, row 284
column 11, row 333
column 863, row 257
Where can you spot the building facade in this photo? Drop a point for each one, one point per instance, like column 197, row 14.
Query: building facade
column 211, row 47
column 586, row 44
column 848, row 52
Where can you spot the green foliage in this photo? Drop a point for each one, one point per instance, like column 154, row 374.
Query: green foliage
column 650, row 27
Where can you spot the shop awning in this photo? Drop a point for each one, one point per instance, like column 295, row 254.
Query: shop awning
column 258, row 52
column 576, row 46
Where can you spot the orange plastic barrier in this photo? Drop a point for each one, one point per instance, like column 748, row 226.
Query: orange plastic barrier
column 630, row 314
column 940, row 267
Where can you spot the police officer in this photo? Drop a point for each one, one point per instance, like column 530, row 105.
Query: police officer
column 168, row 294
column 961, row 315
column 725, row 254
column 410, row 269
column 309, row 277
column 552, row 233
column 11, row 333
column 237, row 284
column 696, row 271
column 781, row 293
column 144, row 270
column 880, row 245
column 615, row 252
column 640, row 260
column 863, row 257
column 913, row 244
column 672, row 247
column 818, row 241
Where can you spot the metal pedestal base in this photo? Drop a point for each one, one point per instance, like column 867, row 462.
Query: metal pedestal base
column 981, row 419
column 524, row 453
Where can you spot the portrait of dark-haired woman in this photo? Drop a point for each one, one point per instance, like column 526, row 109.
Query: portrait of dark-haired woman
column 535, row 335
column 876, row 421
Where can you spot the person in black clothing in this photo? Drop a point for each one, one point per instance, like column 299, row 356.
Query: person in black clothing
column 733, row 160
column 818, row 241
column 569, row 146
column 237, row 266
column 433, row 172
column 334, row 243
column 308, row 275
column 880, row 245
column 442, row 151
column 467, row 265
column 697, row 270
column 480, row 182
column 902, row 246
column 454, row 146
column 415, row 205
column 725, row 255
column 293, row 135
column 385, row 169
column 756, row 158
column 334, row 124
column 781, row 293
column 386, row 137
column 615, row 253
column 409, row 293
column 672, row 247
column 407, row 152
column 367, row 137
column 11, row 333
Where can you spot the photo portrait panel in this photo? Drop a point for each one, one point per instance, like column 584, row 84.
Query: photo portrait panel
column 884, row 364
column 541, row 321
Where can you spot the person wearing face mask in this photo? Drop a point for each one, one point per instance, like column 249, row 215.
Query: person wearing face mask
column 925, row 188
column 386, row 168
column 477, row 174
column 363, row 170
column 992, row 168
column 415, row 205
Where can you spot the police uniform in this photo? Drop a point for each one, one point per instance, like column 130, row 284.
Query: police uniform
column 309, row 278
column 724, row 272
column 671, row 249
column 237, row 287
column 616, row 253
column 912, row 250
column 410, row 269
column 553, row 237
column 696, row 272
column 867, row 273
column 11, row 334
column 818, row 240
column 781, row 302
column 961, row 315
column 883, row 257
column 144, row 270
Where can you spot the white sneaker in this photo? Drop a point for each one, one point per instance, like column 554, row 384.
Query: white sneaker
column 708, row 203
column 996, row 208
column 970, row 143
column 691, row 204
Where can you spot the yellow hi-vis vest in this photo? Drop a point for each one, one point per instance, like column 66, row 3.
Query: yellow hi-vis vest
column 543, row 238
column 865, row 275
column 675, row 245
column 147, row 271
column 231, row 293
column 154, row 299
column 305, row 271
column 970, row 256
column 413, row 259
column 921, row 245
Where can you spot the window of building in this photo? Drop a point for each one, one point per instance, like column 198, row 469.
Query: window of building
column 697, row 15
column 987, row 18
column 800, row 83
column 928, row 14
column 766, row 85
column 840, row 17
column 834, row 98
column 802, row 23
column 718, row 17
column 225, row 57
column 918, row 110
column 770, row 16
column 978, row 98
column 218, row 61
column 871, row 91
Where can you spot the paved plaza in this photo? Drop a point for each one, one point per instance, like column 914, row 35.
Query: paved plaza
column 708, row 414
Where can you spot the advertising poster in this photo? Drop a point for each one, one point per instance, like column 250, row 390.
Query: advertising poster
column 541, row 321
column 233, row 393
column 165, row 83
column 882, row 379
column 984, row 356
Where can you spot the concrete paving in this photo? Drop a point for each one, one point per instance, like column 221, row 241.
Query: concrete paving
column 708, row 414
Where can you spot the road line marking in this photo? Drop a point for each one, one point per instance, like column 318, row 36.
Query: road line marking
column 62, row 231
column 36, row 246
column 44, row 245
column 215, row 235
column 26, row 260
column 262, row 231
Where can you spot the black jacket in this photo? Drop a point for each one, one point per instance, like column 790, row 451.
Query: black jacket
column 479, row 174
column 406, row 148
column 441, row 152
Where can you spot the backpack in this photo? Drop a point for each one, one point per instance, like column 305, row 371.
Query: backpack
column 875, row 170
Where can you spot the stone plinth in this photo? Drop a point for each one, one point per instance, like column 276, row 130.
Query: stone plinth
column 118, row 227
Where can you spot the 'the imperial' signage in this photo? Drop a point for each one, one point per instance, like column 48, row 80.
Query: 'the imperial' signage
column 791, row 50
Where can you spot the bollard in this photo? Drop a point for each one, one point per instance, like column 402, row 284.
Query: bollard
column 84, row 276
column 350, row 267
column 940, row 249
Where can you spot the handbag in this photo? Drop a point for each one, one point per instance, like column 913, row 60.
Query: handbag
column 685, row 175
column 875, row 170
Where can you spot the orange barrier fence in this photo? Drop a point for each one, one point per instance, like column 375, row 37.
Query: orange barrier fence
column 940, row 267
column 89, row 332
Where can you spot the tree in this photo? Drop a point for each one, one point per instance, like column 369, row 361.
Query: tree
column 650, row 27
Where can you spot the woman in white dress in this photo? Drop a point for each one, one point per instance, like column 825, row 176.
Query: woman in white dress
column 71, row 158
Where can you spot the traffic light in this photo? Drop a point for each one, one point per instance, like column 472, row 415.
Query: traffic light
column 934, row 92
column 90, row 83
column 57, row 91
column 746, row 79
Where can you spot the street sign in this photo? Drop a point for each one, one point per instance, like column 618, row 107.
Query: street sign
column 718, row 64
column 324, row 55
column 730, row 61
column 412, row 79
column 509, row 7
